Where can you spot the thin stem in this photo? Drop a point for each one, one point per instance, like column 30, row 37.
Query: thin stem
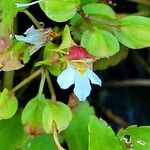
column 8, row 79
column 25, row 81
column 23, row 143
column 101, row 21
column 42, row 82
column 34, row 20
column 55, row 135
column 50, row 85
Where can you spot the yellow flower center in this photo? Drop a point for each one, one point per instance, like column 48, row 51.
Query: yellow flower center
column 81, row 67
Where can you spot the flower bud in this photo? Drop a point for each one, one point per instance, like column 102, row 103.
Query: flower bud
column 56, row 112
column 8, row 104
column 32, row 115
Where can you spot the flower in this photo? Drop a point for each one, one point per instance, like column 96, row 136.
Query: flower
column 79, row 72
column 35, row 36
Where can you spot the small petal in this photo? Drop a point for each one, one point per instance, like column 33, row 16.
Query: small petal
column 82, row 87
column 94, row 78
column 33, row 36
column 28, row 4
column 67, row 77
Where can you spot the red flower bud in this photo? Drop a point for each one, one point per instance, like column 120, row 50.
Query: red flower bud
column 78, row 53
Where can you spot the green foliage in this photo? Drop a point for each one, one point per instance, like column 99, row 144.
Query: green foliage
column 105, row 63
column 96, row 9
column 139, row 137
column 100, row 43
column 131, row 31
column 101, row 136
column 92, row 25
column 32, row 115
column 76, row 135
column 8, row 104
column 11, row 133
column 13, row 137
column 67, row 41
column 44, row 142
column 53, row 9
column 9, row 11
column 56, row 112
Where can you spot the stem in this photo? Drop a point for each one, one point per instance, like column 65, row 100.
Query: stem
column 101, row 21
column 55, row 135
column 25, row 81
column 41, row 84
column 34, row 20
column 23, row 143
column 50, row 85
column 8, row 79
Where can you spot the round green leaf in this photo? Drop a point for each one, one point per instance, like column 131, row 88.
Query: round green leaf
column 101, row 136
column 8, row 104
column 105, row 63
column 99, row 9
column 100, row 43
column 139, row 137
column 79, row 140
column 60, row 10
column 134, row 31
column 56, row 112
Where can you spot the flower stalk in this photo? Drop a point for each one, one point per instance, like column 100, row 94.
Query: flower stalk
column 50, row 86
column 25, row 81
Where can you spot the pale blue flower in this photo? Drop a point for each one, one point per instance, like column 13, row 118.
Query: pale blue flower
column 81, row 77
column 32, row 36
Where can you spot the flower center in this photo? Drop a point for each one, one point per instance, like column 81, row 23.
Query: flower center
column 81, row 67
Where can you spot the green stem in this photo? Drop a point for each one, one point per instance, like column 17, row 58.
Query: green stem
column 105, row 22
column 34, row 20
column 8, row 79
column 55, row 135
column 42, row 82
column 25, row 81
column 50, row 85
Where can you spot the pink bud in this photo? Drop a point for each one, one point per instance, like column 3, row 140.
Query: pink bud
column 78, row 53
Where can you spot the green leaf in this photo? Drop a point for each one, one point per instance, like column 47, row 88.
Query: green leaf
column 104, row 63
column 8, row 104
column 99, row 9
column 56, row 112
column 32, row 115
column 53, row 9
column 44, row 142
column 11, row 133
column 133, row 31
column 9, row 12
column 100, row 43
column 139, row 137
column 101, row 136
column 76, row 135
column 66, row 39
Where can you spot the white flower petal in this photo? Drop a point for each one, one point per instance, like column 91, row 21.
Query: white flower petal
column 67, row 77
column 28, row 4
column 33, row 36
column 94, row 78
column 82, row 87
